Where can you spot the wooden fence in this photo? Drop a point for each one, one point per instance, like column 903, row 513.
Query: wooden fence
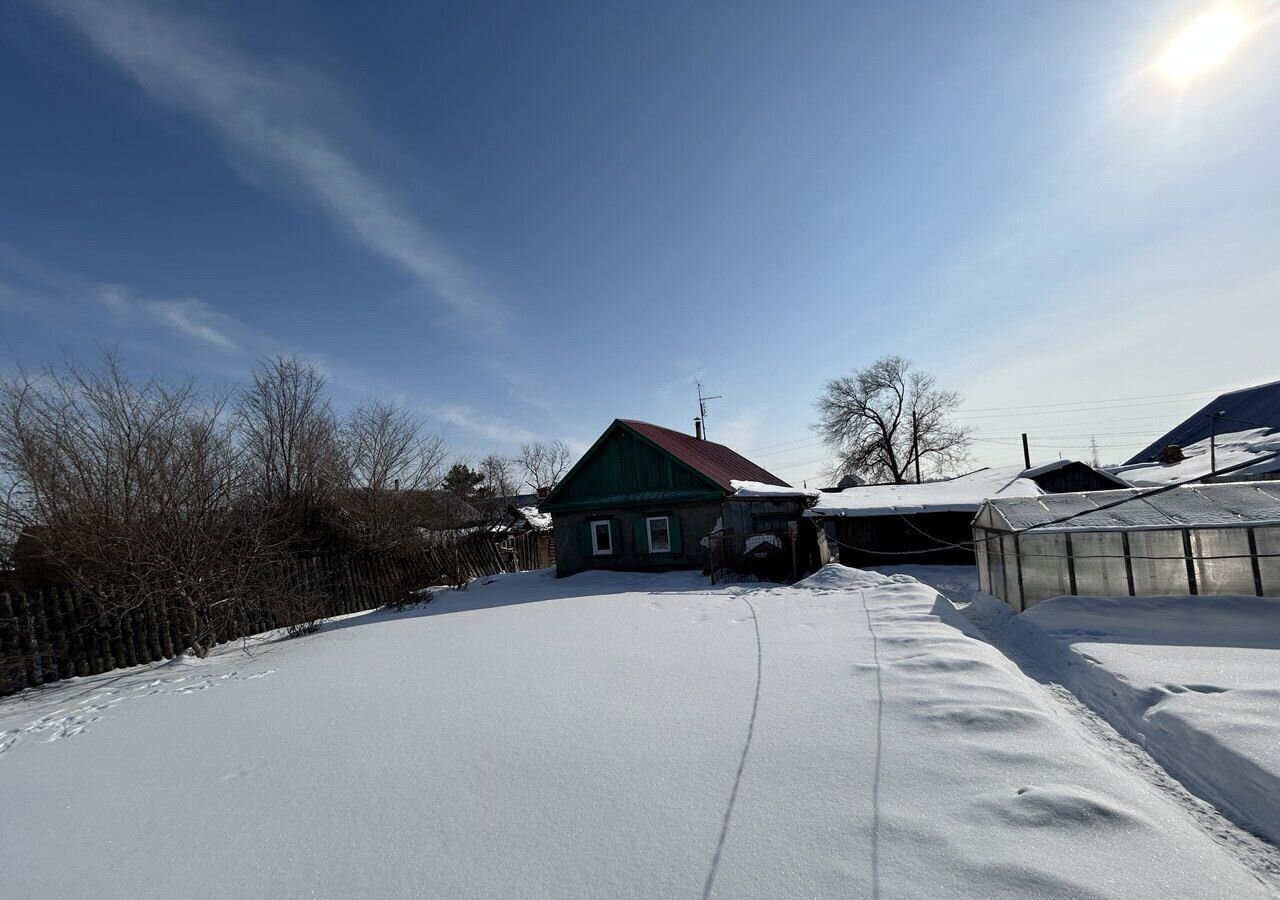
column 47, row 635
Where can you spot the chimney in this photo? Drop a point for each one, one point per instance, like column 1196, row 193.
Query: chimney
column 697, row 428
column 1172, row 454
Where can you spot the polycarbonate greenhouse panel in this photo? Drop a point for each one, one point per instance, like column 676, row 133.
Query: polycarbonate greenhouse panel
column 1162, row 576
column 1012, row 590
column 1268, row 543
column 1099, row 562
column 1216, row 574
column 1044, row 567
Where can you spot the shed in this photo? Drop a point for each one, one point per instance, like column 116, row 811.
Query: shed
column 1193, row 539
column 645, row 497
column 930, row 522
column 885, row 524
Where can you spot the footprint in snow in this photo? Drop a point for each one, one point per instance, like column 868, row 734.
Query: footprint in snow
column 68, row 722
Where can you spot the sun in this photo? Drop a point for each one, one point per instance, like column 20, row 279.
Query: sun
column 1203, row 45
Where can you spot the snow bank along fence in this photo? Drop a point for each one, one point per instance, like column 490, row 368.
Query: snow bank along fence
column 50, row 634
column 1196, row 539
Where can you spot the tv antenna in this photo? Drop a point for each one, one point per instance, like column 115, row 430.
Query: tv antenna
column 702, row 407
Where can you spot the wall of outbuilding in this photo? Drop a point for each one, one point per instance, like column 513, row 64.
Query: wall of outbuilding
column 899, row 540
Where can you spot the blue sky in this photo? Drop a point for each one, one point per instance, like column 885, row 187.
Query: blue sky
column 528, row 219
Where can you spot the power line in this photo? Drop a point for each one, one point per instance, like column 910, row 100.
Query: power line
column 1062, row 520
column 1086, row 402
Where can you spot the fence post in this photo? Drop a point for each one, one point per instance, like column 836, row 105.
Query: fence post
column 28, row 639
column 62, row 636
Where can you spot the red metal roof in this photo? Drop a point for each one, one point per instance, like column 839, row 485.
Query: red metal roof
column 715, row 461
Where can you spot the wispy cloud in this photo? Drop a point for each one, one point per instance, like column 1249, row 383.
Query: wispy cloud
column 272, row 116
column 189, row 317
column 486, row 426
column 196, row 336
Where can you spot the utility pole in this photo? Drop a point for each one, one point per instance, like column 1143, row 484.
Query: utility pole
column 915, row 443
column 1026, row 452
column 1213, row 439
column 1093, row 447
column 702, row 407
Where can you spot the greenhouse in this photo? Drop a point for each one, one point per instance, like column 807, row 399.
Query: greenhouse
column 1194, row 539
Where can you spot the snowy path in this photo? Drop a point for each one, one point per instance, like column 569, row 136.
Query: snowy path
column 601, row 736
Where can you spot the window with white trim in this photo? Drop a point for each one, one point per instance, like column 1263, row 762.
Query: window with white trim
column 601, row 537
column 659, row 534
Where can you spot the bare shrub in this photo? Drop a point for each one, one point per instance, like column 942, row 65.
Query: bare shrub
column 135, row 493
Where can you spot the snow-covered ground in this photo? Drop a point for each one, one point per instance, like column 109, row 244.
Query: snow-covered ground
column 1193, row 680
column 608, row 735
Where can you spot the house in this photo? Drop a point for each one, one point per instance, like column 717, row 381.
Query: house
column 930, row 522
column 644, row 497
column 1192, row 539
column 1247, row 408
column 1256, row 450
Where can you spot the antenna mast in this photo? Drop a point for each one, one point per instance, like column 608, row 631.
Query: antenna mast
column 702, row 407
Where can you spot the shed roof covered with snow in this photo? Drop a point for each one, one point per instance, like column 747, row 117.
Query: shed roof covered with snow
column 1188, row 506
column 965, row 493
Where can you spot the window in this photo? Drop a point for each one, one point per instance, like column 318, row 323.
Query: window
column 601, row 537
column 764, row 524
column 659, row 534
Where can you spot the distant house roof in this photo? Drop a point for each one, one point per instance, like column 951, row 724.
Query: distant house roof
column 534, row 517
column 713, row 461
column 1255, row 407
column 1257, row 445
column 1189, row 506
column 754, row 490
column 964, row 493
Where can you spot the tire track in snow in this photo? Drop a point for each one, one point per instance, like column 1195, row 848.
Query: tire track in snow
column 742, row 763
column 875, row 780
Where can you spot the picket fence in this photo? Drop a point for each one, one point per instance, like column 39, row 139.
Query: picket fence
column 48, row 635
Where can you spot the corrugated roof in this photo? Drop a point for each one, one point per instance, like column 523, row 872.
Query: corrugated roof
column 714, row 461
column 1189, row 506
column 1255, row 407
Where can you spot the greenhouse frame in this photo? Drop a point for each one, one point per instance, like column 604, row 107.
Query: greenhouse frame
column 1192, row 539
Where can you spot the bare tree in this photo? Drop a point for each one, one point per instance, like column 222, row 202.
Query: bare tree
column 499, row 475
column 891, row 423
column 135, row 493
column 393, row 462
column 543, row 463
column 291, row 443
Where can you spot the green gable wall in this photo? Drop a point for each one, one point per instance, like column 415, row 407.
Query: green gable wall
column 623, row 469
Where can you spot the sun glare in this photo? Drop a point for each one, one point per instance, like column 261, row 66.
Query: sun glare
column 1203, row 45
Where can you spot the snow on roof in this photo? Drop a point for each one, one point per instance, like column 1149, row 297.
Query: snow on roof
column 1189, row 506
column 1258, row 406
column 965, row 493
column 750, row 489
column 1232, row 449
column 537, row 519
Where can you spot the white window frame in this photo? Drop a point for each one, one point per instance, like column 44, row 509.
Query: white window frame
column 595, row 538
column 648, row 527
